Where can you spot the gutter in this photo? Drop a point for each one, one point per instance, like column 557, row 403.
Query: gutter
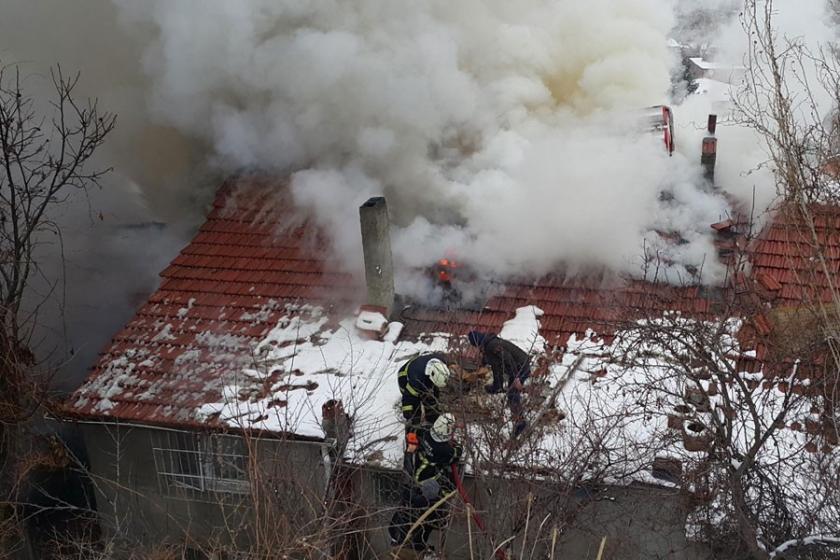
column 187, row 427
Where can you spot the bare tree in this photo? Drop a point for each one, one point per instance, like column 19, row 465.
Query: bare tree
column 45, row 151
column 761, row 456
column 743, row 449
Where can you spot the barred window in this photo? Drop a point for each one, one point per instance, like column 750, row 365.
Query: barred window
column 388, row 488
column 200, row 462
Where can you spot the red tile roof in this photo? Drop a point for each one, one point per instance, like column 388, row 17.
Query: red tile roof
column 786, row 256
column 257, row 252
column 217, row 298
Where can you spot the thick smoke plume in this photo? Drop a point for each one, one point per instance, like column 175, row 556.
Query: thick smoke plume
column 115, row 240
column 502, row 131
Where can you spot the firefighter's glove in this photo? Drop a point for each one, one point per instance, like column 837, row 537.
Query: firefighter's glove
column 430, row 488
column 412, row 442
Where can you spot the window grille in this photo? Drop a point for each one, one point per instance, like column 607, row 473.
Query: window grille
column 388, row 488
column 200, row 463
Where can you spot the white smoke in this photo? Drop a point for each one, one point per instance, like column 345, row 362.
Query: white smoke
column 495, row 129
column 743, row 157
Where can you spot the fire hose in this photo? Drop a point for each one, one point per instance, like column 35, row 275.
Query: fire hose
column 500, row 554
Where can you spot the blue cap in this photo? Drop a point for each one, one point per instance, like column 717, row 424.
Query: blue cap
column 477, row 338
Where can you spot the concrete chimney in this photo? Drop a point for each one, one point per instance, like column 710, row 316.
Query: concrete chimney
column 376, row 244
column 708, row 155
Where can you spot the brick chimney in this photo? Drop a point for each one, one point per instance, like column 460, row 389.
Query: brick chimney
column 709, row 154
column 376, row 244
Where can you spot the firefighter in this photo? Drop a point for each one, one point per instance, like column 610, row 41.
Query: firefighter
column 508, row 362
column 420, row 380
column 431, row 481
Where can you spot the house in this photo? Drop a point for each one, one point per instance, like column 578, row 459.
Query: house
column 219, row 416
column 699, row 68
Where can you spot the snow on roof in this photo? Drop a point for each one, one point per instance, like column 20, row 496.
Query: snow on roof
column 716, row 90
column 524, row 329
column 709, row 65
column 618, row 403
column 609, row 400
column 623, row 391
column 245, row 302
column 368, row 320
column 305, row 362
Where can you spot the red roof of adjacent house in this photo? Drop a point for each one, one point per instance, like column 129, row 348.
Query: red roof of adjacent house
column 257, row 252
column 786, row 257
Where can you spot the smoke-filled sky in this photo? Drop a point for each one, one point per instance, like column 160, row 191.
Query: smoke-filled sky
column 496, row 128
column 502, row 130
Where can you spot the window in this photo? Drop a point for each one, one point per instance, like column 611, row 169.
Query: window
column 388, row 488
column 200, row 463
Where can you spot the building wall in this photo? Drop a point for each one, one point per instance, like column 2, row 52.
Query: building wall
column 696, row 72
column 638, row 522
column 134, row 500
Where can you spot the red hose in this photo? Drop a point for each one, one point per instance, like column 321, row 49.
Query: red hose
column 500, row 554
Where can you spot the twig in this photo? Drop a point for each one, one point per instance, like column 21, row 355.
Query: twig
column 601, row 548
column 527, row 521
column 469, row 530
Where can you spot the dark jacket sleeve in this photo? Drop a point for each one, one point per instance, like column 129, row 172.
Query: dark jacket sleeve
column 457, row 453
column 446, row 454
column 495, row 360
column 411, row 411
column 451, row 456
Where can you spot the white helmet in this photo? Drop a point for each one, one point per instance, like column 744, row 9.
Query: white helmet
column 443, row 427
column 437, row 372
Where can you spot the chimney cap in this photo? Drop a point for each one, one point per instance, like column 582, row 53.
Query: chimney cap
column 712, row 124
column 374, row 201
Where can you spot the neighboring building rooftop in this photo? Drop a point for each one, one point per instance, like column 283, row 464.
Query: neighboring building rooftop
column 710, row 65
column 789, row 255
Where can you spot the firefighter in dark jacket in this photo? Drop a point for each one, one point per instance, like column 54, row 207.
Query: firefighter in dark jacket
column 420, row 380
column 509, row 363
column 431, row 480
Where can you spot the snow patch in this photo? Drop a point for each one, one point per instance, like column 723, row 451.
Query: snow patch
column 189, row 356
column 524, row 329
column 263, row 313
column 371, row 321
column 184, row 310
column 164, row 334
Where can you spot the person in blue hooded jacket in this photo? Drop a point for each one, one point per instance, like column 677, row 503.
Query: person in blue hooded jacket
column 508, row 362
